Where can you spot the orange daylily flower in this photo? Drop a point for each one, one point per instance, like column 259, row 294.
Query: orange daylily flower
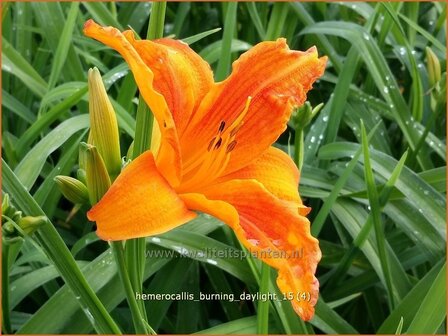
column 212, row 152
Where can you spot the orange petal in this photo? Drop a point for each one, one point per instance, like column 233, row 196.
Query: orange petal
column 277, row 172
column 276, row 78
column 271, row 228
column 139, row 203
column 168, row 154
column 180, row 75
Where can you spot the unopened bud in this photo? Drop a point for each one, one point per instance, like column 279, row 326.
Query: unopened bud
column 303, row 115
column 81, row 175
column 97, row 178
column 5, row 204
column 433, row 64
column 10, row 210
column 72, row 189
column 29, row 224
column 103, row 124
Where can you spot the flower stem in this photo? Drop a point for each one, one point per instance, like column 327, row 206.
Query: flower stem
column 6, row 327
column 135, row 248
column 137, row 317
column 48, row 237
column 263, row 306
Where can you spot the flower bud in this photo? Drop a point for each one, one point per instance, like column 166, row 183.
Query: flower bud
column 103, row 124
column 433, row 64
column 97, row 178
column 303, row 115
column 6, row 204
column 81, row 175
column 72, row 189
column 10, row 210
column 29, row 224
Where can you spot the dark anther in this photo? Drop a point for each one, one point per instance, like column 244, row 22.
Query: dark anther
column 221, row 126
column 218, row 144
column 164, row 124
column 231, row 146
column 209, row 148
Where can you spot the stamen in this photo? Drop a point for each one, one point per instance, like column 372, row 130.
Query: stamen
column 221, row 126
column 218, row 144
column 231, row 146
column 210, row 145
column 212, row 164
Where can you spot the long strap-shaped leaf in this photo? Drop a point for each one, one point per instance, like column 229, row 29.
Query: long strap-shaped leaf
column 58, row 253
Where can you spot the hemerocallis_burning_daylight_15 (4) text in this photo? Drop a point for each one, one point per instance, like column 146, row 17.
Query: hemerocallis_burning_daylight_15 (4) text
column 212, row 151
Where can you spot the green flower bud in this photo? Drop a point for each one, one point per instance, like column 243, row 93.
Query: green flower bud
column 303, row 115
column 81, row 175
column 72, row 189
column 103, row 124
column 29, row 224
column 6, row 204
column 97, row 178
column 9, row 210
column 433, row 64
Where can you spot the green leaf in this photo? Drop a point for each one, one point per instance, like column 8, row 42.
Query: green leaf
column 65, row 42
column 213, row 51
column 407, row 309
column 246, row 325
column 432, row 311
column 195, row 38
column 15, row 64
column 28, row 170
column 376, row 217
column 229, row 34
column 425, row 198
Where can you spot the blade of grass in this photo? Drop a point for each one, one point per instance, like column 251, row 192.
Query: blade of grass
column 376, row 218
column 195, row 38
column 29, row 168
column 436, row 43
column 426, row 200
column 336, row 275
column 181, row 15
column 229, row 33
column 50, row 18
column 277, row 20
column 65, row 42
column 263, row 306
column 102, row 14
column 432, row 311
column 253, row 12
column 381, row 74
column 11, row 103
column 319, row 221
column 32, row 133
column 57, row 251
column 407, row 309
column 15, row 64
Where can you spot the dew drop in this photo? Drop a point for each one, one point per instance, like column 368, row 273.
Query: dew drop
column 89, row 315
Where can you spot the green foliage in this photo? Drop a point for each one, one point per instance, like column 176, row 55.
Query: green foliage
column 377, row 191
